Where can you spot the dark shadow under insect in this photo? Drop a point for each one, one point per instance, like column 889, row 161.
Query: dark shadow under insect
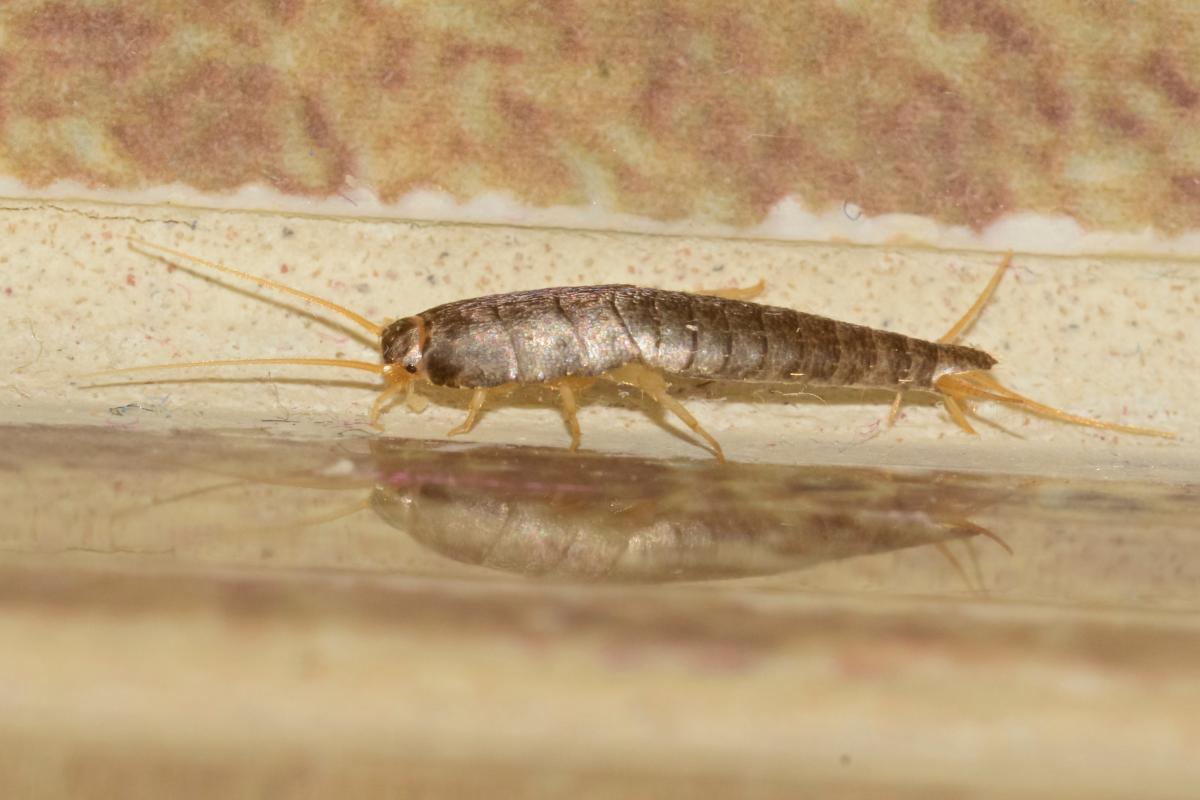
column 566, row 338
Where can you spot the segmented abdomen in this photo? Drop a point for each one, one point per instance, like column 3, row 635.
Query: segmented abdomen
column 552, row 333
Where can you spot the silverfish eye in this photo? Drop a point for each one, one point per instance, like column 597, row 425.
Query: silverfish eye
column 412, row 359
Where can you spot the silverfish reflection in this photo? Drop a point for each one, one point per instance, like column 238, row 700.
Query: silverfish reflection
column 540, row 513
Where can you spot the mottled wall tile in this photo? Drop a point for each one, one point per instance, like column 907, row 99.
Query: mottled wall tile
column 958, row 110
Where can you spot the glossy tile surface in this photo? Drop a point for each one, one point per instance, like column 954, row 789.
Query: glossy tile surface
column 422, row 616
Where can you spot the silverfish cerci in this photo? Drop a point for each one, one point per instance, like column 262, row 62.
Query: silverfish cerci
column 568, row 337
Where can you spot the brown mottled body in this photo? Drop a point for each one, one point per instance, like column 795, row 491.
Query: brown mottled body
column 566, row 337
column 585, row 331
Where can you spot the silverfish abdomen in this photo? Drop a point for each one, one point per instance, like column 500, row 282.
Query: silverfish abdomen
column 547, row 334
